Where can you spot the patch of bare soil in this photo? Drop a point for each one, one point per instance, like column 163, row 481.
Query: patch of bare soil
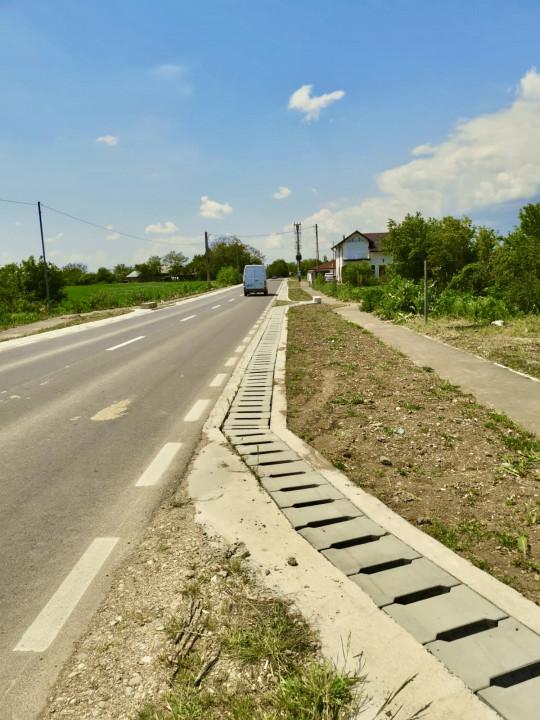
column 464, row 474
column 515, row 344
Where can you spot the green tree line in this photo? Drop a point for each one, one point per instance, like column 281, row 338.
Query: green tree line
column 22, row 285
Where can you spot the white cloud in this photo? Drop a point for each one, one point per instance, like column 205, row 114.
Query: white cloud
column 486, row 161
column 314, row 191
column 167, row 228
column 54, row 239
column 107, row 140
column 112, row 236
column 312, row 106
column 18, row 222
column 211, row 209
column 168, row 70
column 283, row 192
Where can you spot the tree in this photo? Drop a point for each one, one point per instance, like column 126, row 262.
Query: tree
column 174, row 262
column 232, row 252
column 447, row 245
column 33, row 280
column 150, row 270
column 407, row 242
column 74, row 273
column 120, row 272
column 104, row 275
column 517, row 261
column 278, row 268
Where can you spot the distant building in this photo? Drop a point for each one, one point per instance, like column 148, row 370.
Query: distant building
column 133, row 276
column 361, row 247
column 320, row 269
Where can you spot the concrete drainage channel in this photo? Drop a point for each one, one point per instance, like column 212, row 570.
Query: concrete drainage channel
column 495, row 655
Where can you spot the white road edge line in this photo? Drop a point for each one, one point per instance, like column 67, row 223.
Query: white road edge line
column 232, row 299
column 215, row 306
column 51, row 619
column 240, row 349
column 231, row 361
column 196, row 411
column 159, row 464
column 128, row 342
column 187, row 318
column 218, row 380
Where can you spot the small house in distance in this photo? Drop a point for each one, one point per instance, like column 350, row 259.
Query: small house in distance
column 132, row 277
column 320, row 270
column 361, row 247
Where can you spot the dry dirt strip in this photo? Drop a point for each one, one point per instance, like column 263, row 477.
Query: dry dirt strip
column 363, row 568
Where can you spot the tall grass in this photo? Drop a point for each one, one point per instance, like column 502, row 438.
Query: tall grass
column 86, row 298
column 401, row 298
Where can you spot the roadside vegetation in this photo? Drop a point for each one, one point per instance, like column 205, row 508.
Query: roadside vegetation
column 73, row 290
column 466, row 475
column 475, row 277
column 189, row 631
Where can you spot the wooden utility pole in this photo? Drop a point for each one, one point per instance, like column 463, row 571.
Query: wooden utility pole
column 298, row 256
column 317, row 244
column 207, row 254
column 44, row 260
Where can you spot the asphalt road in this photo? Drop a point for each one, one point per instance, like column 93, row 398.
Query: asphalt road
column 96, row 427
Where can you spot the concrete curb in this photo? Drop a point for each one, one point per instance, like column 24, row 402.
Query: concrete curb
column 230, row 503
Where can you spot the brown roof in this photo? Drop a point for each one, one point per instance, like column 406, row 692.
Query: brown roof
column 374, row 239
column 323, row 267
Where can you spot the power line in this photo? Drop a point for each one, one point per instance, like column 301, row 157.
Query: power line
column 111, row 230
column 240, row 237
column 16, row 202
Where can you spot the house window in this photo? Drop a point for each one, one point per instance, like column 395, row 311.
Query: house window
column 382, row 270
column 373, row 268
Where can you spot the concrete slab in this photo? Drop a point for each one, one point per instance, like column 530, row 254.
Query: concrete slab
column 298, row 498
column 261, row 449
column 480, row 658
column 293, row 482
column 361, row 528
column 245, row 415
column 281, row 469
column 263, row 459
column 321, row 514
column 362, row 558
column 420, row 575
column 518, row 702
column 427, row 619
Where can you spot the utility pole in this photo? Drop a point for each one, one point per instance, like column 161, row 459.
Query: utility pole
column 317, row 244
column 207, row 254
column 425, row 292
column 298, row 256
column 44, row 260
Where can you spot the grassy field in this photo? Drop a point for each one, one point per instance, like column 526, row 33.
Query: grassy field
column 86, row 298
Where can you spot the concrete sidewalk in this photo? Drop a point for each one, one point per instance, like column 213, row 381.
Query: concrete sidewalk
column 494, row 386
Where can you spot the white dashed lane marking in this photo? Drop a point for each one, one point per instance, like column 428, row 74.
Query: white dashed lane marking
column 215, row 306
column 128, row 342
column 218, row 380
column 196, row 411
column 240, row 349
column 187, row 318
column 231, row 361
column 159, row 465
column 52, row 618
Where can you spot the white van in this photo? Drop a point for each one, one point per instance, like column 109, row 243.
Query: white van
column 255, row 279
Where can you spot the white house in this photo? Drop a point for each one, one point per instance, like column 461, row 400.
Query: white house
column 361, row 247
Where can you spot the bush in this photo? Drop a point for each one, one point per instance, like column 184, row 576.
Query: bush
column 228, row 276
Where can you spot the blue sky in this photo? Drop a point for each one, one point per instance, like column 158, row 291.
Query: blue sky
column 167, row 119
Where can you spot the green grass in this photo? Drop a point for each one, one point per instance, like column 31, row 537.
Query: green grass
column 88, row 298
